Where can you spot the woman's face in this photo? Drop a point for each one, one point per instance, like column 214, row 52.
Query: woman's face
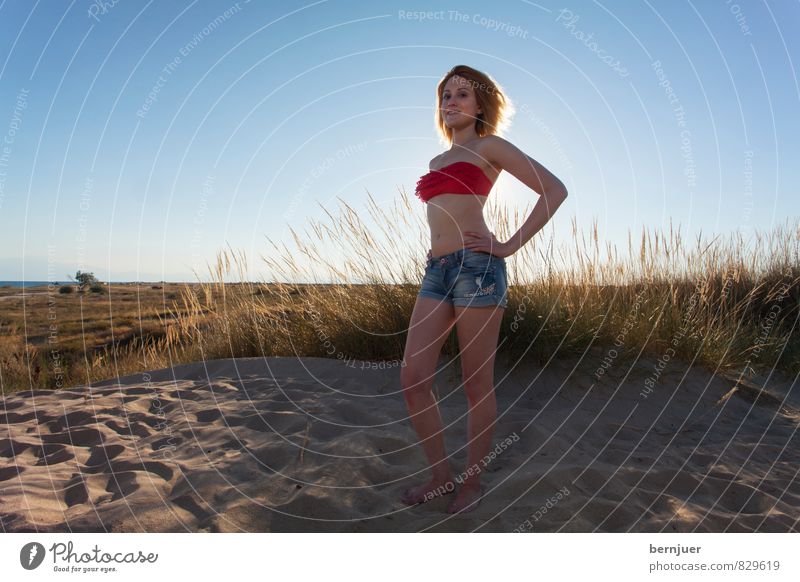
column 459, row 106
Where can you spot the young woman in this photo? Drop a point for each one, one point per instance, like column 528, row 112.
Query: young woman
column 465, row 282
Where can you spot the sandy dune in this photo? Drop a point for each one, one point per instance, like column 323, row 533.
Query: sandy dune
column 218, row 446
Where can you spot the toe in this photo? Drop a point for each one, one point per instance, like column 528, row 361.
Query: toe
column 460, row 505
column 408, row 497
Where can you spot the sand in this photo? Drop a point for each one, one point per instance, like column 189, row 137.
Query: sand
column 311, row 444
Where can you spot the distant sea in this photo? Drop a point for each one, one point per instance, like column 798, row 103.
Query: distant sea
column 35, row 283
column 56, row 283
column 27, row 283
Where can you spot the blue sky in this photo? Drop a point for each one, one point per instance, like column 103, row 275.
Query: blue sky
column 266, row 112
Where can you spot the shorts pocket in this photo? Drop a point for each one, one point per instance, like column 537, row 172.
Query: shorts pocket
column 474, row 282
column 480, row 262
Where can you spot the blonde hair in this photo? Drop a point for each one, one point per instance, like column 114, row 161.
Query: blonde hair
column 496, row 108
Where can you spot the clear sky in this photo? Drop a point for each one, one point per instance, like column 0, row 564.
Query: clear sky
column 140, row 138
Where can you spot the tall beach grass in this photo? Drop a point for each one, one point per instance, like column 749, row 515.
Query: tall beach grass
column 729, row 303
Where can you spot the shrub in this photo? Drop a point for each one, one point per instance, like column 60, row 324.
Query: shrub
column 66, row 289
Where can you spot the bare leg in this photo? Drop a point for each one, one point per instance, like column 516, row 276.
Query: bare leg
column 478, row 329
column 430, row 325
column 428, row 423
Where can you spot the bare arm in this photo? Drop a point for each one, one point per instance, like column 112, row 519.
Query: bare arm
column 535, row 176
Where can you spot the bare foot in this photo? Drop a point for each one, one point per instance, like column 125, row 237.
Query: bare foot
column 430, row 490
column 468, row 498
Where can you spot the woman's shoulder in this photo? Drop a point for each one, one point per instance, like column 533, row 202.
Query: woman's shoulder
column 487, row 148
column 432, row 164
column 492, row 148
column 488, row 142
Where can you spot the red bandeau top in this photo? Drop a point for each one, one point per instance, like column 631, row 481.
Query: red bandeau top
column 455, row 178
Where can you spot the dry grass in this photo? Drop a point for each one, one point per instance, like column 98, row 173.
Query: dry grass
column 728, row 304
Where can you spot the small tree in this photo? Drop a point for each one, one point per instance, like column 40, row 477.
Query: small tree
column 85, row 280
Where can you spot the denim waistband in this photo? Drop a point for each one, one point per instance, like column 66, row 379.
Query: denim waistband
column 452, row 259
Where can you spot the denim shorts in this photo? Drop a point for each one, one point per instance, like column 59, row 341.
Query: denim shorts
column 466, row 278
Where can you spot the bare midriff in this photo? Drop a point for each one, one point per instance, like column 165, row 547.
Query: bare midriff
column 449, row 216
